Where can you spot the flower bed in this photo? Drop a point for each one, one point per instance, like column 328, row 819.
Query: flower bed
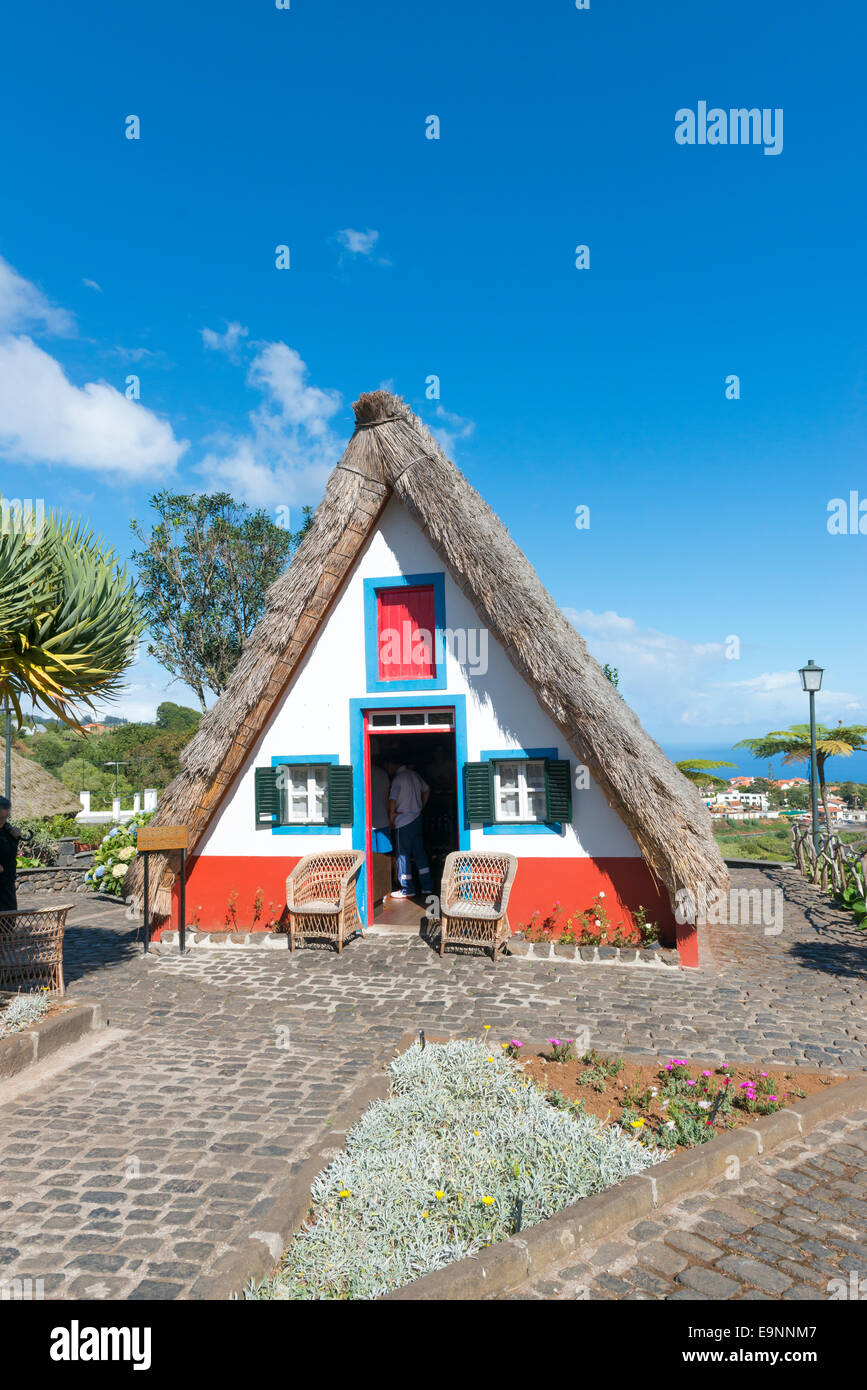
column 464, row 1151
column 672, row 1106
column 592, row 927
column 22, row 1010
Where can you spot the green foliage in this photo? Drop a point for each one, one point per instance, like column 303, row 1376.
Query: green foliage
column 432, row 1174
column 69, row 619
column 148, row 754
column 700, row 771
column 204, row 571
column 611, row 674
column 178, row 719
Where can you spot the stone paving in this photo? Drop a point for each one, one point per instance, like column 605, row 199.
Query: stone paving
column 130, row 1173
column 794, row 1228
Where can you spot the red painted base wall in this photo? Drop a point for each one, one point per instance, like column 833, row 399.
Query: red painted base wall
column 539, row 883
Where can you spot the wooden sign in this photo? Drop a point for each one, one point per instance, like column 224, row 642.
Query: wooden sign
column 162, row 837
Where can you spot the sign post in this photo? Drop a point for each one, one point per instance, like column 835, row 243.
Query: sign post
column 154, row 839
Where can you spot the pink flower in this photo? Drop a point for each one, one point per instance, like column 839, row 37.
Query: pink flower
column 707, row 1073
column 772, row 1097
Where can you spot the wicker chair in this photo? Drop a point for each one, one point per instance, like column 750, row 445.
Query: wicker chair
column 474, row 897
column 320, row 897
column 31, row 948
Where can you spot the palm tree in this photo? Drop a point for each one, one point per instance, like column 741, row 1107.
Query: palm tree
column 794, row 743
column 69, row 619
column 700, row 771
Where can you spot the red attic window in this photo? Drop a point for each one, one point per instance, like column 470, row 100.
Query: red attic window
column 406, row 626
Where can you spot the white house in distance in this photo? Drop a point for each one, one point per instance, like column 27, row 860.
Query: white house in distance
column 409, row 628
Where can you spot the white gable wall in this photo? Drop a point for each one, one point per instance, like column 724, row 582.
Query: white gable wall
column 313, row 717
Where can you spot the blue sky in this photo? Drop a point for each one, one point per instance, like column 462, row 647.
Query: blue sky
column 456, row 257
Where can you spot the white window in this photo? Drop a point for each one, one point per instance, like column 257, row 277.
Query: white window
column 304, row 789
column 519, row 790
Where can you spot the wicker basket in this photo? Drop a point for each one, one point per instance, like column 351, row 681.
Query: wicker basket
column 31, row 948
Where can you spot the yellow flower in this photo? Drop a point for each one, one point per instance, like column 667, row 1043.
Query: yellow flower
column 490, row 1059
column 439, row 1194
column 345, row 1193
column 636, row 1124
column 486, row 1027
column 425, row 1215
column 488, row 1201
column 504, row 1044
column 476, row 1132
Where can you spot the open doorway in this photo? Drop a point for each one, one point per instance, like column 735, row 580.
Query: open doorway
column 425, row 742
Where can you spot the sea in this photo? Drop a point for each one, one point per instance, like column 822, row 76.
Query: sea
column 851, row 769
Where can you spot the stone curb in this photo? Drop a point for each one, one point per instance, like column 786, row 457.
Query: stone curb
column 221, row 941
column 22, row 1050
column 255, row 1258
column 645, row 957
column 509, row 1263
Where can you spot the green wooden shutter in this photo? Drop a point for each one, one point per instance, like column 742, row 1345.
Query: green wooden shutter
column 479, row 793
column 339, row 795
column 558, row 789
column 267, row 796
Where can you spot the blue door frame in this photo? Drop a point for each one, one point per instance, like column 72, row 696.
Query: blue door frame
column 360, row 828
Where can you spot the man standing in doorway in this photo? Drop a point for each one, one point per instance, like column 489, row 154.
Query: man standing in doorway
column 406, row 801
column 9, row 837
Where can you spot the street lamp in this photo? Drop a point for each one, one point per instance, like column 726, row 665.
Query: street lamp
column 811, row 681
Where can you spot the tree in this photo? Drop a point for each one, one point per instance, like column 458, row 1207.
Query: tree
column 611, row 674
column 794, row 744
column 701, row 770
column 69, row 619
column 177, row 719
column 204, row 572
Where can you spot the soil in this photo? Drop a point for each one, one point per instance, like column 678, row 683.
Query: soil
column 570, row 1079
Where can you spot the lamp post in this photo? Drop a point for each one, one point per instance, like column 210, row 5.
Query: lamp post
column 811, row 681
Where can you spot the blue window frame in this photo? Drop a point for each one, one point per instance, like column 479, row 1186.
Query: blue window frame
column 371, row 631
column 295, row 761
column 513, row 755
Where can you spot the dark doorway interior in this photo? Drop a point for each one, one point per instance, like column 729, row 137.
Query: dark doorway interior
column 432, row 755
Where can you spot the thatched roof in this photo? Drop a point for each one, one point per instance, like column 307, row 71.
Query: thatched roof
column 34, row 791
column 391, row 453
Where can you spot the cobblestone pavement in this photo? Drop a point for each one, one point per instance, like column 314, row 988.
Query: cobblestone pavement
column 128, row 1174
column 792, row 1229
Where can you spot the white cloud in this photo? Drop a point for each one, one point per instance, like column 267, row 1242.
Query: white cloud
column 290, row 448
column 227, row 342
column 676, row 685
column 358, row 243
column 451, row 430
column 24, row 306
column 44, row 418
column 92, row 285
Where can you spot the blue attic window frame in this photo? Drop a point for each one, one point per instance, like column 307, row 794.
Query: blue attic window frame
column 511, row 755
column 316, row 830
column 372, row 587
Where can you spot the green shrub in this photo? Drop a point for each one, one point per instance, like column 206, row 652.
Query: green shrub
column 114, row 855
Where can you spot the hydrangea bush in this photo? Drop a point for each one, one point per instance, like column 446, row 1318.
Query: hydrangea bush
column 112, row 857
column 434, row 1172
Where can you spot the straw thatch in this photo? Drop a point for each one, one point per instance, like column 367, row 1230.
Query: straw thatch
column 391, row 453
column 34, row 791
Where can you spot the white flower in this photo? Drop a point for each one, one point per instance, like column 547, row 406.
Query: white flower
column 669, row 1124
column 704, row 1105
column 118, row 870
